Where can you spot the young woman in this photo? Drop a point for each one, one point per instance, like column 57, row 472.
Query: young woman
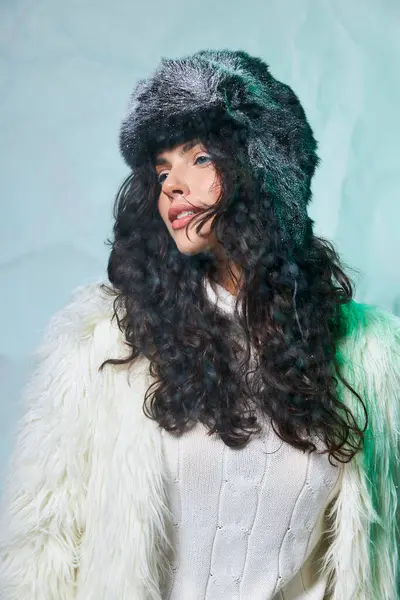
column 222, row 420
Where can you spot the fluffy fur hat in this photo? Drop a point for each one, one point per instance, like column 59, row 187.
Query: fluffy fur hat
column 212, row 89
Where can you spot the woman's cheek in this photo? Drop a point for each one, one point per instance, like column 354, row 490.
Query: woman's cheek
column 163, row 209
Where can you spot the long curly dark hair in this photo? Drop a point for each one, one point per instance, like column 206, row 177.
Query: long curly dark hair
column 288, row 309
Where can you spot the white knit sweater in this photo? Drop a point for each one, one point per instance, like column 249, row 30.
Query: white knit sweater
column 248, row 523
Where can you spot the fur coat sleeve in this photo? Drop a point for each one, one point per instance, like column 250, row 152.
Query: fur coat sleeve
column 42, row 516
column 364, row 556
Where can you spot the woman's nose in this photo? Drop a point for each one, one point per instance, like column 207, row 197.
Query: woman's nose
column 175, row 185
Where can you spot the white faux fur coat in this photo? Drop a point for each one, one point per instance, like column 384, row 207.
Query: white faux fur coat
column 84, row 508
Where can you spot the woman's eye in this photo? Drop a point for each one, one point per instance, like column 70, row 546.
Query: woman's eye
column 203, row 156
column 199, row 158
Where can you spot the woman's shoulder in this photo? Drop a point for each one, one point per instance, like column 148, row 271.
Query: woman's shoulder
column 88, row 312
column 89, row 304
column 371, row 342
column 370, row 321
column 82, row 331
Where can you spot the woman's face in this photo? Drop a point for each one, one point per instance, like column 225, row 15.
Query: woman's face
column 187, row 177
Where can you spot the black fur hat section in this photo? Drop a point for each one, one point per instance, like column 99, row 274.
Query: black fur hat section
column 203, row 92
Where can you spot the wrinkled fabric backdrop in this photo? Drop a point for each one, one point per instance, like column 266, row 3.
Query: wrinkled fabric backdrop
column 66, row 73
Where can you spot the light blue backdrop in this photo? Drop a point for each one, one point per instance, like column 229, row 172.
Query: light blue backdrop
column 66, row 72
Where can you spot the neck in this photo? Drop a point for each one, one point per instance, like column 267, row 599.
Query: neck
column 229, row 278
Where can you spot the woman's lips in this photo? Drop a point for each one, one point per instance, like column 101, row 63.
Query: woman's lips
column 179, row 223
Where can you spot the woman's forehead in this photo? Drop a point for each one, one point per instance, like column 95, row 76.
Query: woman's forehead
column 180, row 149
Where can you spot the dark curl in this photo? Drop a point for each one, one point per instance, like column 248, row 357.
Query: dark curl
column 288, row 309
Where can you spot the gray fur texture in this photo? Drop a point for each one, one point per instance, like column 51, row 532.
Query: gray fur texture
column 212, row 89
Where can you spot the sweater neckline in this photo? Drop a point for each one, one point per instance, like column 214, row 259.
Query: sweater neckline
column 221, row 297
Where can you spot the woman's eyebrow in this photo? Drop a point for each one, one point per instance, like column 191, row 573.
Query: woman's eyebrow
column 184, row 150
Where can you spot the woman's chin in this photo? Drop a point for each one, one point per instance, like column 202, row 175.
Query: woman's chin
column 189, row 242
column 192, row 246
column 191, row 249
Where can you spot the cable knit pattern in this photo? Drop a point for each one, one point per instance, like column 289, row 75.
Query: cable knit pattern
column 248, row 523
